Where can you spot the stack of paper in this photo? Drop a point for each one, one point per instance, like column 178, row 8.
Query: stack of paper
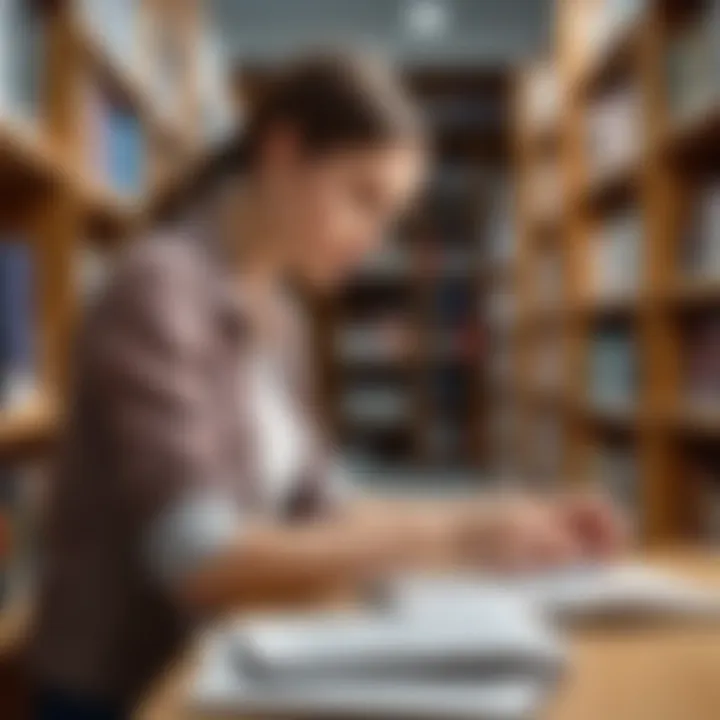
column 451, row 647
column 497, row 665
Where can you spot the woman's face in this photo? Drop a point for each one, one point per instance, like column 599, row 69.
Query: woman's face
column 332, row 211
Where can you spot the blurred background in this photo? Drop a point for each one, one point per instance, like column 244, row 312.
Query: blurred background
column 550, row 315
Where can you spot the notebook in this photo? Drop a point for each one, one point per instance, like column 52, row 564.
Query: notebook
column 624, row 591
column 223, row 686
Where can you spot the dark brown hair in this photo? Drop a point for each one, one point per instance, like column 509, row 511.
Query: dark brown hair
column 332, row 100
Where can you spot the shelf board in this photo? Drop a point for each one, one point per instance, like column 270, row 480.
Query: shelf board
column 612, row 186
column 696, row 293
column 34, row 424
column 697, row 421
column 617, row 416
column 611, row 61
column 612, row 306
column 697, row 139
column 26, row 155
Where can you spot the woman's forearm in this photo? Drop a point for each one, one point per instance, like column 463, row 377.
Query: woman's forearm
column 271, row 560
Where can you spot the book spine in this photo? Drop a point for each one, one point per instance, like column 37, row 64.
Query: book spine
column 16, row 323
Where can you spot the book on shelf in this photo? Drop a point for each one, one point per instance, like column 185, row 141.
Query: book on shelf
column 18, row 326
column 700, row 247
column 377, row 404
column 391, row 262
column 459, row 112
column 501, row 232
column 702, row 363
column 613, row 364
column 693, row 66
column 22, row 491
column 614, row 468
column 543, row 98
column 617, row 256
column 389, row 338
column 115, row 25
column 614, row 137
column 115, row 152
column 22, row 59
column 704, row 479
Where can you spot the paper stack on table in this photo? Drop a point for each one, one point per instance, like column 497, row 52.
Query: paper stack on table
column 450, row 647
column 497, row 665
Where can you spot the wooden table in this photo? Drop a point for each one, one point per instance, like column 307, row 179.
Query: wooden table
column 661, row 673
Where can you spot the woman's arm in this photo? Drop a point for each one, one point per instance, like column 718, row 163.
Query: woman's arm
column 372, row 537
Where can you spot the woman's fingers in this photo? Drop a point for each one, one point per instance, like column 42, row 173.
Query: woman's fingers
column 597, row 524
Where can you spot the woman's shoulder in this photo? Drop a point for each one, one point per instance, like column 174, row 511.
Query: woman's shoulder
column 163, row 254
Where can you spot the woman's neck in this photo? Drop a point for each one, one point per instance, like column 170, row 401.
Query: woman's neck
column 249, row 232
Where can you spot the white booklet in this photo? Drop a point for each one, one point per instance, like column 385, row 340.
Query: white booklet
column 222, row 686
column 625, row 591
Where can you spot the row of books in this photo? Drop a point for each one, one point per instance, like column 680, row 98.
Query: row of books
column 22, row 59
column 18, row 322
column 614, row 131
column 391, row 338
column 702, row 362
column 115, row 144
column 700, row 247
column 613, row 368
column 616, row 261
column 704, row 479
column 693, row 65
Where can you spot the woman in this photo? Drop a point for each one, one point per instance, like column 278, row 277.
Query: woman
column 191, row 464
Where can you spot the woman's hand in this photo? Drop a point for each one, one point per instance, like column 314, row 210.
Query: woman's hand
column 520, row 533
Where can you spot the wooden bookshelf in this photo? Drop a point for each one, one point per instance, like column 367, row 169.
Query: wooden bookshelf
column 57, row 204
column 659, row 183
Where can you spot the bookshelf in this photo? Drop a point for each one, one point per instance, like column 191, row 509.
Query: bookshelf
column 639, row 129
column 85, row 163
